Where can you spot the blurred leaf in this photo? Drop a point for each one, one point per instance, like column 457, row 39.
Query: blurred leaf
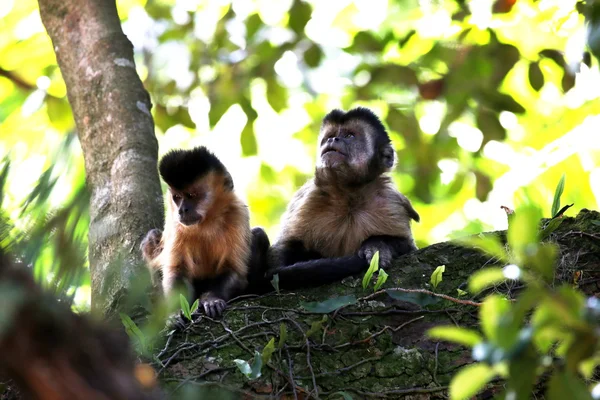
column 522, row 373
column 523, row 231
column 365, row 42
column 134, row 332
column 268, row 351
column 299, row 15
column 488, row 244
column 470, row 380
column 313, row 55
column 3, row 177
column 329, row 305
column 381, row 279
column 503, row 6
column 253, row 24
column 421, row 299
column 275, row 282
column 485, row 278
column 393, row 74
column 195, row 306
column 373, row 267
column 502, row 102
column 490, row 315
column 483, row 186
column 455, row 334
column 568, row 81
column 59, row 112
column 582, row 348
column 489, row 124
column 552, row 225
column 555, row 56
column 436, row 276
column 248, row 140
column 251, row 371
column 557, row 194
column 276, row 95
column 566, row 385
column 536, row 77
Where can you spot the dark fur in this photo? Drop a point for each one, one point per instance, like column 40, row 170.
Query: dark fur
column 337, row 221
column 181, row 168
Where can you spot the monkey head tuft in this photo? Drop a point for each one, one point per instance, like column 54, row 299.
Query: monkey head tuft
column 181, row 168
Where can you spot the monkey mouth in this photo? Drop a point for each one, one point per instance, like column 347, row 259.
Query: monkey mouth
column 332, row 150
column 190, row 221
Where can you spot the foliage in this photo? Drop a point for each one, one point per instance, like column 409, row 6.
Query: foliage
column 373, row 267
column 547, row 329
column 436, row 276
column 185, row 306
column 469, row 103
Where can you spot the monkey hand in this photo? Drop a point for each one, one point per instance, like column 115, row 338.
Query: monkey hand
column 151, row 244
column 370, row 247
column 213, row 305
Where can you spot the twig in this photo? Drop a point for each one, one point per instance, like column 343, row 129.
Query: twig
column 234, row 336
column 291, row 366
column 312, row 373
column 396, row 312
column 386, row 328
column 345, row 369
column 423, row 291
column 583, row 234
column 384, row 394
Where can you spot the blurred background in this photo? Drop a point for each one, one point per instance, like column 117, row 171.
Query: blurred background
column 488, row 103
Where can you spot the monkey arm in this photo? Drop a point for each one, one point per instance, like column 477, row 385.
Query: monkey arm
column 318, row 272
column 290, row 252
column 389, row 247
column 215, row 292
column 152, row 245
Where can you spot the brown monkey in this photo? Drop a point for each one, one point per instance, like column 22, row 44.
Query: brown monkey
column 207, row 245
column 351, row 209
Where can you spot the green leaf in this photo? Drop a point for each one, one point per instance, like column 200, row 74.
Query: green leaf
column 133, row 331
column 344, row 395
column 555, row 56
column 557, row 193
column 568, row 81
column 550, row 227
column 374, row 266
column 394, row 74
column 365, row 42
column 329, row 305
column 313, row 56
column 536, row 77
column 544, row 260
column 248, row 140
column 470, row 380
column 244, row 367
column 488, row 244
column 485, row 278
column 565, row 385
column 381, row 279
column 522, row 372
column 282, row 335
column 276, row 94
column 253, row 24
column 316, row 326
column 421, row 299
column 275, row 282
column 436, row 276
column 455, row 334
column 490, row 314
column 523, row 231
column 194, row 306
column 299, row 15
column 488, row 123
column 461, row 292
column 268, row 351
column 185, row 306
column 502, row 102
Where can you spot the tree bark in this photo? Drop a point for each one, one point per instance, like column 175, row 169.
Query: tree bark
column 375, row 348
column 116, row 132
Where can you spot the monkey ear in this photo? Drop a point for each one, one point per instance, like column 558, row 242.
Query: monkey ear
column 388, row 156
column 228, row 182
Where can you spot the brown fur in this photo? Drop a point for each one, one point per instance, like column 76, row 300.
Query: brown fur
column 220, row 242
column 335, row 222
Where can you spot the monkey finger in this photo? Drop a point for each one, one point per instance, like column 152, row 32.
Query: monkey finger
column 220, row 306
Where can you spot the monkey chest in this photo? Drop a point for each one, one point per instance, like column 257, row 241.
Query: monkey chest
column 340, row 231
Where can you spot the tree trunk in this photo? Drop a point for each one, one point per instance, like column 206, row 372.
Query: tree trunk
column 116, row 132
column 376, row 348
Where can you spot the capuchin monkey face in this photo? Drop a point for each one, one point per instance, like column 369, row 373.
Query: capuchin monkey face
column 191, row 204
column 346, row 146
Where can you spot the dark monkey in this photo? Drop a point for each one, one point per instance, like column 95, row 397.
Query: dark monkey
column 207, row 246
column 351, row 209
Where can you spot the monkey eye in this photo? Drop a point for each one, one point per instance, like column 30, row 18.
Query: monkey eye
column 176, row 197
column 190, row 195
column 348, row 135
